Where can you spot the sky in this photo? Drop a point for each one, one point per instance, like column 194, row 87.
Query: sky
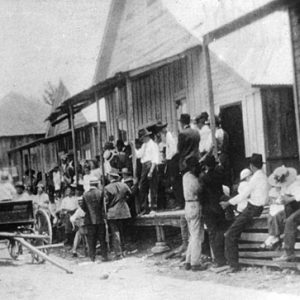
column 48, row 40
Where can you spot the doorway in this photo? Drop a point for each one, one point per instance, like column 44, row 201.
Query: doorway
column 232, row 123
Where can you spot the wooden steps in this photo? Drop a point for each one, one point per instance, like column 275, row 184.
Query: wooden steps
column 250, row 252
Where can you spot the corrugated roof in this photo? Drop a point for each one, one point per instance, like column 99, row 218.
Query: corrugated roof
column 21, row 116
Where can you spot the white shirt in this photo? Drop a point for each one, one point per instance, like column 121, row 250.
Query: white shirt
column 7, row 191
column 148, row 152
column 171, row 145
column 41, row 200
column 293, row 190
column 257, row 189
column 69, row 203
column 191, row 186
column 205, row 139
column 243, row 204
column 86, row 181
column 57, row 180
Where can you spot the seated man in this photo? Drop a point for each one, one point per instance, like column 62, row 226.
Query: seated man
column 284, row 182
column 67, row 207
column 21, row 193
column 257, row 194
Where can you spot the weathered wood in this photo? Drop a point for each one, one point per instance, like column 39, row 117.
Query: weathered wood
column 41, row 254
column 255, row 237
column 246, row 19
column 99, row 137
column 58, row 245
column 210, row 96
column 130, row 111
column 22, row 235
column 269, row 263
column 71, row 114
column 249, row 245
column 262, row 254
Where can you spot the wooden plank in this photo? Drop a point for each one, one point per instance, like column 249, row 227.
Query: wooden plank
column 157, row 95
column 246, row 19
column 256, row 237
column 249, row 245
column 269, row 263
column 130, row 110
column 162, row 95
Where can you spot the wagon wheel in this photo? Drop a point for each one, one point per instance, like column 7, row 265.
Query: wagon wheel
column 13, row 249
column 42, row 226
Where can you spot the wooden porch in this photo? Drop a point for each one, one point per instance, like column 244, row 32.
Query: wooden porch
column 250, row 252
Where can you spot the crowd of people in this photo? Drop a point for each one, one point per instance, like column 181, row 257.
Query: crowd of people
column 187, row 172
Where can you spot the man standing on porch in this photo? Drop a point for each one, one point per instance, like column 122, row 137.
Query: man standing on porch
column 149, row 155
column 256, row 194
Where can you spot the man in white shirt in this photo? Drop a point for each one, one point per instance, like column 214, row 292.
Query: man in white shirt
column 149, row 155
column 257, row 195
column 205, row 145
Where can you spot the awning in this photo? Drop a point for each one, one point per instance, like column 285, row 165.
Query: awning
column 85, row 98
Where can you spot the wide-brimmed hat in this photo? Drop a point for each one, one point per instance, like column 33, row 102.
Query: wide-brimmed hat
column 159, row 125
column 245, row 173
column 143, row 133
column 256, row 160
column 114, row 173
column 282, row 176
column 93, row 180
column 185, row 119
column 108, row 155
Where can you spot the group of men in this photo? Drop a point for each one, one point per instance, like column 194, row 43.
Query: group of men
column 206, row 203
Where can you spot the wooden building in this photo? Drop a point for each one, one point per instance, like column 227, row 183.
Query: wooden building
column 164, row 69
column 21, row 122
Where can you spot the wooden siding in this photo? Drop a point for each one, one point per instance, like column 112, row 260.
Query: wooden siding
column 294, row 13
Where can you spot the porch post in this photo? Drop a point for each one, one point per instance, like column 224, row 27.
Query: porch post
column 29, row 166
column 210, row 95
column 71, row 117
column 21, row 165
column 131, row 134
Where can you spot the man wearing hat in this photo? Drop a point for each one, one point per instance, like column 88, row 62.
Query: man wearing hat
column 115, row 196
column 149, row 155
column 92, row 205
column 205, row 145
column 21, row 194
column 257, row 196
column 41, row 200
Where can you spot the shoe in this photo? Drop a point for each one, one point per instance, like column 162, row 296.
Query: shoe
column 74, row 254
column 198, row 268
column 187, row 266
column 285, row 257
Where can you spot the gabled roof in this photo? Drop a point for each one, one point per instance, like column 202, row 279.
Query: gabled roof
column 141, row 32
column 21, row 116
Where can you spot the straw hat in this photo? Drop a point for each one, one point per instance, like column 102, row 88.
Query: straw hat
column 244, row 174
column 282, row 176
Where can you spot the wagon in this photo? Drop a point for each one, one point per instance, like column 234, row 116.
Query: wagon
column 19, row 219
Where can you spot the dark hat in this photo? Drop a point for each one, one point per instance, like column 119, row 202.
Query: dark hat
column 143, row 133
column 256, row 160
column 185, row 118
column 159, row 125
column 20, row 184
column 203, row 116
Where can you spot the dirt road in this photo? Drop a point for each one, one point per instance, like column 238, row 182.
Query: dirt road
column 128, row 279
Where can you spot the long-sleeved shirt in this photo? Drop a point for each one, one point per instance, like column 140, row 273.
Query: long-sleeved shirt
column 256, row 191
column 149, row 152
column 69, row 203
column 205, row 139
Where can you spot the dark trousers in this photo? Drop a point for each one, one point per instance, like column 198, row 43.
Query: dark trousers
column 116, row 227
column 216, row 227
column 96, row 232
column 147, row 184
column 290, row 232
column 233, row 234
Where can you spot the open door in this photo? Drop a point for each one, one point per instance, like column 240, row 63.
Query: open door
column 232, row 123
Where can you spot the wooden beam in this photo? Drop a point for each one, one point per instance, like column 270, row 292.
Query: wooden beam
column 29, row 167
column 74, row 142
column 247, row 19
column 99, row 139
column 209, row 83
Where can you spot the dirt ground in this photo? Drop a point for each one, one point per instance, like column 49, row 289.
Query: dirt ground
column 140, row 275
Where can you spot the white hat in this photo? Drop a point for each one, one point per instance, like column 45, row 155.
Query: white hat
column 93, row 180
column 282, row 176
column 244, row 174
